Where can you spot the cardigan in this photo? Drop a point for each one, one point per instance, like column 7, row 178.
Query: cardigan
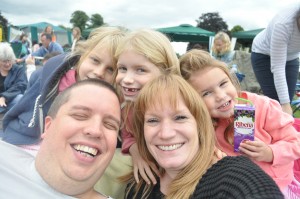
column 230, row 178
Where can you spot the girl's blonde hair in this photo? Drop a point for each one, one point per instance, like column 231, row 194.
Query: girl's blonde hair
column 102, row 37
column 225, row 39
column 155, row 46
column 197, row 60
column 169, row 88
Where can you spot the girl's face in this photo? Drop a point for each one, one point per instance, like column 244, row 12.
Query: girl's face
column 97, row 64
column 219, row 45
column 134, row 71
column 171, row 135
column 217, row 91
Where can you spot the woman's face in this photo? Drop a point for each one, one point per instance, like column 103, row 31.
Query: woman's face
column 134, row 71
column 97, row 64
column 219, row 45
column 5, row 65
column 171, row 135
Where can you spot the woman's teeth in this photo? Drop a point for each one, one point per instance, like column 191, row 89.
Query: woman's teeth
column 170, row 147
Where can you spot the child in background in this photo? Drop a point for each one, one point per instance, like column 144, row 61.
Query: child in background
column 276, row 144
column 221, row 49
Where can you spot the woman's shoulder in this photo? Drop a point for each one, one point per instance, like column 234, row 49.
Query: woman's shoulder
column 236, row 177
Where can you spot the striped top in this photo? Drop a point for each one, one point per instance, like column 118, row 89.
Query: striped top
column 280, row 40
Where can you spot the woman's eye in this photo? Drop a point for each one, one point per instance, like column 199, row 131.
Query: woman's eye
column 151, row 120
column 180, row 117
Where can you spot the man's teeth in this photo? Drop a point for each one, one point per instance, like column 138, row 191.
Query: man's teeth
column 85, row 150
column 170, row 147
column 131, row 89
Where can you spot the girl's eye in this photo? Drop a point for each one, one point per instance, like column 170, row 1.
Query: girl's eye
column 110, row 69
column 122, row 69
column 224, row 83
column 205, row 93
column 141, row 70
column 95, row 60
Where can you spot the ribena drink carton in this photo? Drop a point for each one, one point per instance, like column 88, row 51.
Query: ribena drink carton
column 244, row 116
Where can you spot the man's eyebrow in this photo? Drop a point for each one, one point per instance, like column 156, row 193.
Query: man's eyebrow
column 109, row 116
column 80, row 107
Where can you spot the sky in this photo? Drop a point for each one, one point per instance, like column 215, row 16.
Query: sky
column 250, row 14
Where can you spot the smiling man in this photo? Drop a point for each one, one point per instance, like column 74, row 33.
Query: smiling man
column 79, row 141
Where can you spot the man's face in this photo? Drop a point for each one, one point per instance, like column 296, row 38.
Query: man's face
column 79, row 143
column 45, row 41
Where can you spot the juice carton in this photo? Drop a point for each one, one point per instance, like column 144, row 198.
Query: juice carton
column 244, row 116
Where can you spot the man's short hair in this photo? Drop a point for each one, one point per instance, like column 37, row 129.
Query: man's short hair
column 64, row 96
column 48, row 36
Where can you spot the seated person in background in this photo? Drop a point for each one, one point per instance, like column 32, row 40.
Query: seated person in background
column 25, row 45
column 13, row 80
column 48, row 46
column 79, row 141
column 221, row 48
column 173, row 129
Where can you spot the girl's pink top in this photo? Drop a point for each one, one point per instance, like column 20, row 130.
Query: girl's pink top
column 275, row 128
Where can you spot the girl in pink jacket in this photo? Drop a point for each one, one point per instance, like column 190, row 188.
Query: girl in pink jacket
column 276, row 144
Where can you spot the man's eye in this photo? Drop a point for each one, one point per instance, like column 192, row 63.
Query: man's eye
column 79, row 117
column 111, row 126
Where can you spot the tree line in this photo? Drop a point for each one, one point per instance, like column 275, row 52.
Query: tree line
column 209, row 21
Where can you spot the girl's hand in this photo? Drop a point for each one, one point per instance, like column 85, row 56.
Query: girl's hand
column 218, row 155
column 256, row 150
column 2, row 102
column 142, row 167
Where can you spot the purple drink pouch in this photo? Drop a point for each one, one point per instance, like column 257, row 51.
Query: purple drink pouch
column 244, row 116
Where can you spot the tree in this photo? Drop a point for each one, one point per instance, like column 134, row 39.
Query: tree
column 96, row 20
column 3, row 24
column 237, row 28
column 211, row 22
column 79, row 19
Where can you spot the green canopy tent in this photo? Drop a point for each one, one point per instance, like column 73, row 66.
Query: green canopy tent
column 187, row 33
column 246, row 37
column 63, row 36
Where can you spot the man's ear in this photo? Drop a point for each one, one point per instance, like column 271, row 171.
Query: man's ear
column 48, row 122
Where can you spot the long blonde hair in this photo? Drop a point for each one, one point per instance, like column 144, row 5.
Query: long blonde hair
column 197, row 60
column 102, row 37
column 170, row 88
column 224, row 37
